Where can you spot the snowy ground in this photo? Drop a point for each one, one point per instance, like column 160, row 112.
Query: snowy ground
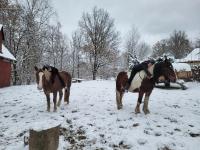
column 91, row 120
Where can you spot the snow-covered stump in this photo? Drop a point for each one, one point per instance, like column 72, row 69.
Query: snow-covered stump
column 47, row 139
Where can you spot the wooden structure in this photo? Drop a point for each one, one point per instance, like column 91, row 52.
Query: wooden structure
column 183, row 71
column 45, row 139
column 6, row 59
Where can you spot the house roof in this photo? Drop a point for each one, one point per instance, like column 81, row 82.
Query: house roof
column 6, row 54
column 192, row 56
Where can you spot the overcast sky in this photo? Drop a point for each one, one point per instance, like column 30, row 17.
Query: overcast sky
column 155, row 19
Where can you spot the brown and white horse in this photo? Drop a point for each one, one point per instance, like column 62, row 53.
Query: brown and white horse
column 43, row 79
column 162, row 69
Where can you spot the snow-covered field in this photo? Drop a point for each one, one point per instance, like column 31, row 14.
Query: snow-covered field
column 91, row 120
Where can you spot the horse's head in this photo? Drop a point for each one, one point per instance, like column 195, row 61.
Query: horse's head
column 39, row 73
column 164, row 68
column 42, row 74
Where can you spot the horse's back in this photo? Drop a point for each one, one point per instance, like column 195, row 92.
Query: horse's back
column 121, row 80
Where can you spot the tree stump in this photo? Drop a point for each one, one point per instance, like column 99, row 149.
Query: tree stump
column 44, row 140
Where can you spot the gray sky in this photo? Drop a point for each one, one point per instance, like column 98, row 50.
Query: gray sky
column 155, row 19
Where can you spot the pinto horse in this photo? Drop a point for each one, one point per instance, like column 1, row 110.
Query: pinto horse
column 43, row 79
column 162, row 69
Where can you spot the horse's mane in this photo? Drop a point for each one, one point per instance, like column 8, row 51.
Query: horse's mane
column 157, row 70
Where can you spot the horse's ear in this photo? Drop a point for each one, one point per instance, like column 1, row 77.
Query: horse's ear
column 36, row 68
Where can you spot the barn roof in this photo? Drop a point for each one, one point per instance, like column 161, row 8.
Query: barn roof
column 6, row 54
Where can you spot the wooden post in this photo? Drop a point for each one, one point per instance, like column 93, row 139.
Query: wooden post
column 44, row 140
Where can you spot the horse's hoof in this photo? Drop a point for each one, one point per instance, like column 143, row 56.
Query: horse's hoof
column 119, row 107
column 58, row 104
column 48, row 110
column 137, row 111
column 55, row 110
column 146, row 111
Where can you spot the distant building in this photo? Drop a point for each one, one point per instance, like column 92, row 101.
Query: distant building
column 192, row 58
column 6, row 59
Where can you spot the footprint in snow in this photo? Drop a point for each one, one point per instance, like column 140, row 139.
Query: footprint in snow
column 142, row 141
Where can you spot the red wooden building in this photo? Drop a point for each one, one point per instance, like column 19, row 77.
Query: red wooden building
column 6, row 59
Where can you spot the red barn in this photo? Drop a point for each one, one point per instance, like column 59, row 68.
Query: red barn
column 5, row 62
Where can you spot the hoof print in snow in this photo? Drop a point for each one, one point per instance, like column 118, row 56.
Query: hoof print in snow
column 71, row 140
column 172, row 120
column 81, row 137
column 135, row 124
column 176, row 129
column 164, row 148
column 122, row 145
column 121, row 126
column 74, row 111
column 21, row 134
column 103, row 141
column 80, row 131
column 158, row 134
column 112, row 114
column 146, row 132
column 69, row 121
column 141, row 141
column 176, row 106
column 102, row 135
column 191, row 125
column 89, row 124
column 171, row 133
column 118, row 120
column 194, row 134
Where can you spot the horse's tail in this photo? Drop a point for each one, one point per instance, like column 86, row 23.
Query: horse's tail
column 67, row 87
column 61, row 80
column 68, row 82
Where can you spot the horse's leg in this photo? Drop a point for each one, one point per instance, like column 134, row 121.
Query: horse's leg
column 60, row 97
column 66, row 96
column 119, row 96
column 137, row 108
column 146, row 101
column 55, row 100
column 48, row 101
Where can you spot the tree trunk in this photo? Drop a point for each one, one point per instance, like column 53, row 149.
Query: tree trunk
column 94, row 75
column 44, row 140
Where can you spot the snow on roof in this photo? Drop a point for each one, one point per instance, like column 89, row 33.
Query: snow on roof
column 192, row 56
column 181, row 66
column 1, row 26
column 6, row 54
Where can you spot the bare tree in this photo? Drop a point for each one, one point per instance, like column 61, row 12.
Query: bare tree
column 143, row 51
column 179, row 44
column 160, row 48
column 24, row 24
column 131, row 44
column 100, row 36
column 197, row 43
column 77, row 46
